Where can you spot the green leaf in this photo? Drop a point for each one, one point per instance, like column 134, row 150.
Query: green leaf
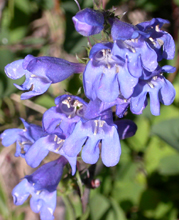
column 149, row 200
column 118, row 212
column 176, row 2
column 139, row 140
column 99, row 204
column 4, row 211
column 156, row 150
column 166, row 112
column 70, row 212
column 86, row 214
column 128, row 190
column 169, row 165
column 168, row 131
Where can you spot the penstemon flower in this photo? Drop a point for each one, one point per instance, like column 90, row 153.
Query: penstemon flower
column 122, row 69
column 40, row 73
column 60, row 120
column 42, row 186
column 88, row 22
column 24, row 138
column 161, row 41
column 106, row 76
column 159, row 89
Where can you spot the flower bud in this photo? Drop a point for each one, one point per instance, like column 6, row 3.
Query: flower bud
column 88, row 22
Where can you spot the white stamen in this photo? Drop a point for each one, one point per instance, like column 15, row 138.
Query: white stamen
column 151, row 85
column 38, row 192
column 101, row 123
column 26, row 142
column 66, row 102
column 133, row 50
column 152, row 40
column 55, row 138
column 33, row 75
column 98, row 124
column 77, row 104
column 154, row 77
column 157, row 28
column 60, row 142
column 96, row 127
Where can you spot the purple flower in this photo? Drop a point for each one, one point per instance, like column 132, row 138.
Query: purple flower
column 159, row 89
column 97, row 108
column 40, row 73
column 41, row 185
column 40, row 149
column 161, row 41
column 95, row 134
column 61, row 119
column 107, row 76
column 126, row 128
column 24, row 138
column 88, row 22
column 140, row 56
column 123, row 31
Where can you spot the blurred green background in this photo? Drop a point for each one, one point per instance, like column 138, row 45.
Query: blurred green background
column 145, row 183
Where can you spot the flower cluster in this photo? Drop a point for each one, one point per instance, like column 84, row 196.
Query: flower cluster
column 120, row 72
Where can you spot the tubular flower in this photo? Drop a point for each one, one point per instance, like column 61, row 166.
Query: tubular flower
column 159, row 89
column 123, row 31
column 40, row 149
column 61, row 119
column 24, row 138
column 88, row 22
column 40, row 73
column 41, row 185
column 159, row 40
column 97, row 108
column 140, row 56
column 90, row 133
column 107, row 76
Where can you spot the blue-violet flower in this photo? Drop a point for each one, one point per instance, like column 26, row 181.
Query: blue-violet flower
column 107, row 76
column 88, row 22
column 24, row 138
column 41, row 185
column 40, row 73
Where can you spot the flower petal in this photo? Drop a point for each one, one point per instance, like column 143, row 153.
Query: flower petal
column 108, row 89
column 53, row 69
column 111, row 148
column 37, row 152
column 126, row 128
column 90, row 152
column 15, row 70
column 10, row 136
column 21, row 192
column 167, row 93
column 73, row 144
